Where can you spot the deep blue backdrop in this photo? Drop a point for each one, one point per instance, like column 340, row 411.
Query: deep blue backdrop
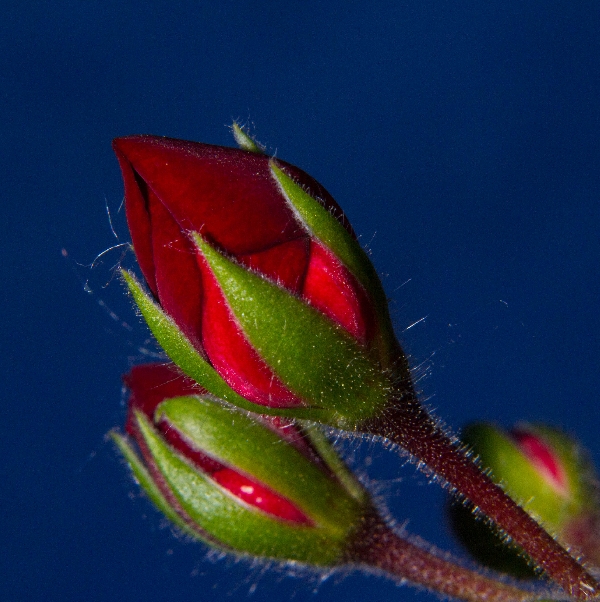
column 462, row 139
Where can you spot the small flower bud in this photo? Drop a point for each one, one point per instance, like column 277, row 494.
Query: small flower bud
column 544, row 471
column 247, row 484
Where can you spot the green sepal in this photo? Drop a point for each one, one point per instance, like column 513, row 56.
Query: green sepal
column 244, row 140
column 326, row 228
column 144, row 479
column 231, row 522
column 179, row 349
column 239, row 440
column 177, row 346
column 315, row 358
column 345, row 476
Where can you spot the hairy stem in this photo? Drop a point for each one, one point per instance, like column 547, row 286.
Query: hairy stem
column 409, row 425
column 376, row 545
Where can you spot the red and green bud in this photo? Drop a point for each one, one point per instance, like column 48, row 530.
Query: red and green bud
column 244, row 483
column 259, row 288
column 546, row 472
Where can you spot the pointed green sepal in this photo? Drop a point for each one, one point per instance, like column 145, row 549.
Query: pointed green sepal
column 345, row 476
column 229, row 521
column 245, row 141
column 315, row 358
column 327, row 229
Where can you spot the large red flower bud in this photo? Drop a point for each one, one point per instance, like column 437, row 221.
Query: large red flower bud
column 257, row 267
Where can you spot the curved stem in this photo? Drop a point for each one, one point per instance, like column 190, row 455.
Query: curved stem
column 409, row 425
column 376, row 545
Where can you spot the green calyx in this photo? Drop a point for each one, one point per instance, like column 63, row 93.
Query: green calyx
column 144, row 479
column 179, row 349
column 324, row 227
column 240, row 441
column 316, row 359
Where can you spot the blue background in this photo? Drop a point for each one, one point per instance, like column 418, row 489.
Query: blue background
column 462, row 140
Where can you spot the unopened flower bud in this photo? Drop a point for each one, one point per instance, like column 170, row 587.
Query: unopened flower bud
column 259, row 288
column 247, row 484
column 541, row 468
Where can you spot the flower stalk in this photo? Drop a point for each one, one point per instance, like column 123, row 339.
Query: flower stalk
column 409, row 426
column 377, row 546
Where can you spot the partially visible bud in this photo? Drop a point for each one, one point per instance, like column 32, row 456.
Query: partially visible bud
column 547, row 473
column 244, row 483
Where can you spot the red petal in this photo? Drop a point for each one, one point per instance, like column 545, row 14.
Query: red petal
column 332, row 289
column 226, row 193
column 178, row 278
column 138, row 218
column 150, row 384
column 259, row 496
column 232, row 355
column 285, row 263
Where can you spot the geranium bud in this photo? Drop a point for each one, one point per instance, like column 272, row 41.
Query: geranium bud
column 541, row 468
column 259, row 288
column 244, row 483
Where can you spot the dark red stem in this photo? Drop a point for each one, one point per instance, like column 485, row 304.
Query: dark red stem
column 376, row 545
column 409, row 425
